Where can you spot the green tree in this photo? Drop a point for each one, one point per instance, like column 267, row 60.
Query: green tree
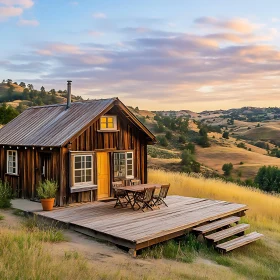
column 7, row 113
column 162, row 141
column 226, row 135
column 22, row 84
column 268, row 179
column 188, row 162
column 203, row 140
column 182, row 139
column 168, row 135
column 190, row 147
column 227, row 168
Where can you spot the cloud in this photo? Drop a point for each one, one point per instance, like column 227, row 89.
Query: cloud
column 30, row 67
column 60, row 48
column 21, row 3
column 99, row 15
column 181, row 70
column 74, row 3
column 24, row 22
column 7, row 12
column 95, row 33
column 238, row 25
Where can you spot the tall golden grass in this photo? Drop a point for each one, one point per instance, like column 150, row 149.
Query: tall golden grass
column 264, row 209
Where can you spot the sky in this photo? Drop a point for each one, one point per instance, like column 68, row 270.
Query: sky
column 154, row 54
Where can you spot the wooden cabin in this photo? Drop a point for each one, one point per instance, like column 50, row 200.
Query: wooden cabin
column 83, row 146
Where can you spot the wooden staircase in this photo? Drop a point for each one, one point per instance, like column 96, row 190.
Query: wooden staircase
column 217, row 231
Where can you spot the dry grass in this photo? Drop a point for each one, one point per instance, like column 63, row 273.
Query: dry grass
column 257, row 261
column 215, row 156
column 264, row 210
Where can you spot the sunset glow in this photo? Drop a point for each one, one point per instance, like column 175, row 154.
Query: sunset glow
column 167, row 55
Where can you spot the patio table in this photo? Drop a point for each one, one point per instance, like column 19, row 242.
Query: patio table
column 133, row 191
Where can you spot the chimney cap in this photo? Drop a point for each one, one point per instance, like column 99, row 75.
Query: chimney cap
column 69, row 81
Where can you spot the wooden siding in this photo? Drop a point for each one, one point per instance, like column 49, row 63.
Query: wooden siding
column 127, row 138
column 29, row 170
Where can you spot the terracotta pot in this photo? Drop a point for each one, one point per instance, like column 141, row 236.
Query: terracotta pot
column 47, row 204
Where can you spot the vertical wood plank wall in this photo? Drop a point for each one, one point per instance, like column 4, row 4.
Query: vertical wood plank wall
column 128, row 137
column 29, row 170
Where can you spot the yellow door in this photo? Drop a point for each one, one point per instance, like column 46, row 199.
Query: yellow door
column 103, row 175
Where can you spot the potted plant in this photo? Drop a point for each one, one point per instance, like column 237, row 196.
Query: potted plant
column 47, row 192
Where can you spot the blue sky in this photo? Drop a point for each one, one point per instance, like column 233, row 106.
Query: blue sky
column 168, row 55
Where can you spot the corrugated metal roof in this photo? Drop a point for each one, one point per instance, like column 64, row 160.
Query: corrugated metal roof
column 52, row 125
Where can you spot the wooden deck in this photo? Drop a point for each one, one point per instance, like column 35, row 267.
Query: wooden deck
column 137, row 229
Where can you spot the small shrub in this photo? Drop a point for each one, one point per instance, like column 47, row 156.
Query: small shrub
column 241, row 145
column 227, row 168
column 168, row 135
column 162, row 141
column 182, row 139
column 47, row 189
column 1, row 217
column 5, row 195
column 226, row 135
column 241, row 162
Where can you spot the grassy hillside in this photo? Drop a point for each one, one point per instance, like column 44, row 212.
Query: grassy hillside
column 246, row 161
column 257, row 261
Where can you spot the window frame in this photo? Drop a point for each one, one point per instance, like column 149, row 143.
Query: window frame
column 16, row 162
column 126, row 164
column 115, row 126
column 74, row 183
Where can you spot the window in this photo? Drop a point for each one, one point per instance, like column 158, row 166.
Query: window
column 12, row 162
column 82, row 169
column 108, row 123
column 123, row 165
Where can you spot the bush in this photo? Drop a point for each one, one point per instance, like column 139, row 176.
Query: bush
column 182, row 139
column 188, row 162
column 5, row 195
column 227, row 168
column 47, row 189
column 190, row 147
column 241, row 145
column 226, row 135
column 268, row 178
column 162, row 141
column 168, row 135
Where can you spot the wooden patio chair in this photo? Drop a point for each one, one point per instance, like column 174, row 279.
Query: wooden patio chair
column 119, row 194
column 135, row 182
column 159, row 199
column 145, row 201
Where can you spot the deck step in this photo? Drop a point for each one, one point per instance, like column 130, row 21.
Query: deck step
column 220, row 235
column 217, row 224
column 239, row 242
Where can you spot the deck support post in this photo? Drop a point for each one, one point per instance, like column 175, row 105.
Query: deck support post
column 132, row 252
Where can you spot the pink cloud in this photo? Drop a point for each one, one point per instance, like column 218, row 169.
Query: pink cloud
column 22, row 3
column 60, row 48
column 6, row 12
column 239, row 25
column 33, row 22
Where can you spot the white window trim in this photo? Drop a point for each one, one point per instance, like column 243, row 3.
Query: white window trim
column 74, row 169
column 114, row 120
column 132, row 175
column 14, row 151
column 127, row 176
